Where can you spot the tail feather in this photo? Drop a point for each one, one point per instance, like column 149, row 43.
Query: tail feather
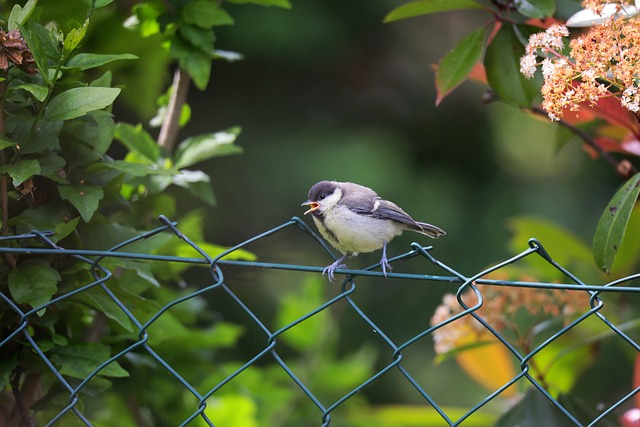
column 429, row 230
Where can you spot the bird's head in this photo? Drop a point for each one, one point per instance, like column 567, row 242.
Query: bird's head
column 323, row 196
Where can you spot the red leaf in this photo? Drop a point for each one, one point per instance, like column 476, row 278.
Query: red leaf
column 607, row 144
column 577, row 117
column 629, row 146
column 609, row 109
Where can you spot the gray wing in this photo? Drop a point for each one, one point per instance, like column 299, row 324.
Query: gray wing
column 358, row 198
column 369, row 203
column 389, row 210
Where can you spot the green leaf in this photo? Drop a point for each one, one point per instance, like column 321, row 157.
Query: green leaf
column 203, row 147
column 8, row 365
column 201, row 38
column 102, row 302
column 82, row 359
column 223, row 18
column 458, row 63
column 284, row 4
column 103, row 81
column 140, row 169
column 205, row 14
column 408, row 415
column 502, row 64
column 536, row 8
column 627, row 261
column 98, row 3
column 186, row 251
column 51, row 165
column 198, row 183
column 138, row 140
column 84, row 197
column 192, row 60
column 169, row 332
column 79, row 101
column 78, row 153
column 63, row 229
column 312, row 332
column 21, row 171
column 425, row 7
column 234, row 410
column 613, row 223
column 73, row 38
column 145, row 19
column 533, row 410
column 49, row 216
column 19, row 14
column 565, row 247
column 42, row 45
column 44, row 40
column 5, row 142
column 41, row 137
column 85, row 61
column 95, row 130
column 33, row 282
column 39, row 92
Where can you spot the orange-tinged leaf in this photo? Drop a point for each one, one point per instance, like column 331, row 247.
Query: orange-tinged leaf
column 478, row 74
column 490, row 365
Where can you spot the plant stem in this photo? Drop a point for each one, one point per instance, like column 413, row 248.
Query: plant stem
column 171, row 124
column 590, row 142
column 4, row 191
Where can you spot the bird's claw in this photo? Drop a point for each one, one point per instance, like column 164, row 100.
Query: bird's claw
column 385, row 266
column 384, row 263
column 330, row 269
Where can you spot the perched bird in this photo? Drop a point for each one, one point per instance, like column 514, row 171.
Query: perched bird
column 354, row 219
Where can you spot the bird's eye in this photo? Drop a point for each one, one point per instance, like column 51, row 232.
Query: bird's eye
column 321, row 196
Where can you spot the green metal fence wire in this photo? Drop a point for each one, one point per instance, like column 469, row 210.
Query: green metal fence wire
column 39, row 242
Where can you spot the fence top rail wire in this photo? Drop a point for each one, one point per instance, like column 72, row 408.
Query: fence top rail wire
column 38, row 242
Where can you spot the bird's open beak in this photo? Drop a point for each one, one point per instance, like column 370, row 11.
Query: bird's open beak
column 314, row 206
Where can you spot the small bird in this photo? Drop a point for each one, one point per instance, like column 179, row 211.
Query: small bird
column 354, row 219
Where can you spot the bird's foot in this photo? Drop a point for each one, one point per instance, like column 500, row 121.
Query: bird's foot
column 385, row 266
column 384, row 263
column 330, row 269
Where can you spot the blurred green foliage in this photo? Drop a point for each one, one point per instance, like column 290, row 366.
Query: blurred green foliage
column 325, row 91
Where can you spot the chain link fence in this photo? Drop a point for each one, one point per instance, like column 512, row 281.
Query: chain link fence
column 39, row 243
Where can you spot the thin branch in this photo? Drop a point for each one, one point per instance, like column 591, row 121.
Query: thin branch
column 622, row 167
column 4, row 178
column 97, row 328
column 4, row 197
column 4, row 191
column 171, row 123
column 134, row 408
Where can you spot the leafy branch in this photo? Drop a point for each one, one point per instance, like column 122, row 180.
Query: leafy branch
column 495, row 54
